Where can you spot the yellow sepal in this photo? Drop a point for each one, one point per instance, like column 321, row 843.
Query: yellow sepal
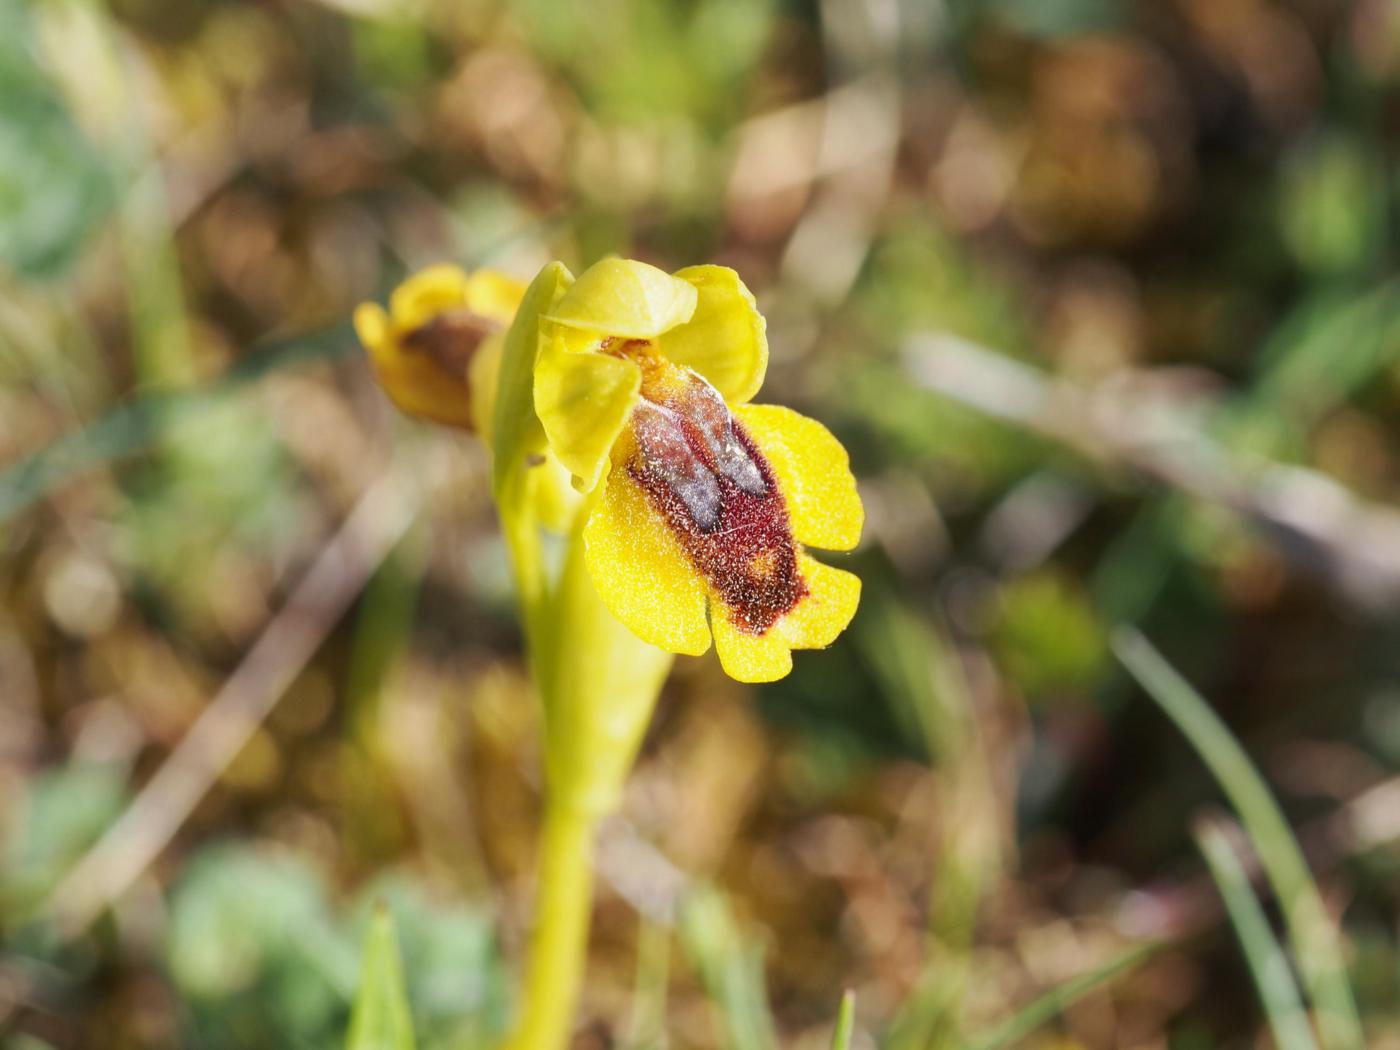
column 625, row 298
column 516, row 433
column 583, row 401
column 725, row 339
column 426, row 294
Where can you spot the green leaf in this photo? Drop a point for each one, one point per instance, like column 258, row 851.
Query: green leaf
column 457, row 981
column 381, row 1019
column 1315, row 940
column 845, row 1023
column 1277, row 990
column 1324, row 352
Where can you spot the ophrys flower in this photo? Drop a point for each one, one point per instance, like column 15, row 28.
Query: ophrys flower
column 703, row 502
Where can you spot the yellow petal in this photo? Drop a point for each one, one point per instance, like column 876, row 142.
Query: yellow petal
column 493, row 294
column 583, row 401
column 372, row 326
column 426, row 294
column 725, row 339
column 626, row 298
column 748, row 657
column 814, row 473
column 414, row 381
column 641, row 572
column 831, row 601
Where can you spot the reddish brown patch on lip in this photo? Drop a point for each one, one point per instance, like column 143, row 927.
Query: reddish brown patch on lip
column 716, row 491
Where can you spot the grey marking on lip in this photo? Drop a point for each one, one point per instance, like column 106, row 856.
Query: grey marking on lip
column 716, row 426
column 667, row 455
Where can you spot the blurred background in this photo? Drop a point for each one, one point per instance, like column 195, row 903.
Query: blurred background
column 1100, row 296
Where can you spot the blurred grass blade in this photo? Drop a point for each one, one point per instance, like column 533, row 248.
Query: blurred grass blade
column 845, row 1023
column 1315, row 940
column 731, row 970
column 646, row 1028
column 920, row 670
column 381, row 1019
column 1060, row 998
column 1272, row 976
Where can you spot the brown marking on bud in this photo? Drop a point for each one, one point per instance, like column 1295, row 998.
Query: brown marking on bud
column 451, row 338
column 716, row 491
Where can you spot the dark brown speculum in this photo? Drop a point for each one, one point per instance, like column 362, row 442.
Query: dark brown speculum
column 702, row 471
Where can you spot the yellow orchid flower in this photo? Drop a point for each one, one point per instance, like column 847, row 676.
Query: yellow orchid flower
column 437, row 349
column 702, row 502
column 687, row 519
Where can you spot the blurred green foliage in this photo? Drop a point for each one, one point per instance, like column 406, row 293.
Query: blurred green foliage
column 65, row 810
column 1181, row 214
column 53, row 184
column 263, row 955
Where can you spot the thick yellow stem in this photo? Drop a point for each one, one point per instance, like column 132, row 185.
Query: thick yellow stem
column 559, row 943
column 598, row 683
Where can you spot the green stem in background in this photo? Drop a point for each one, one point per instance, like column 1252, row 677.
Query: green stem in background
column 1314, row 937
column 559, row 944
column 1060, row 998
column 103, row 90
column 1283, row 1004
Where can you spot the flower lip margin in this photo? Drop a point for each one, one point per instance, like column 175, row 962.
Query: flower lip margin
column 708, row 480
column 665, row 572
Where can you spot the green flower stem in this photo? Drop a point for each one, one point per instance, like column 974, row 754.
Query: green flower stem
column 598, row 684
column 559, row 944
